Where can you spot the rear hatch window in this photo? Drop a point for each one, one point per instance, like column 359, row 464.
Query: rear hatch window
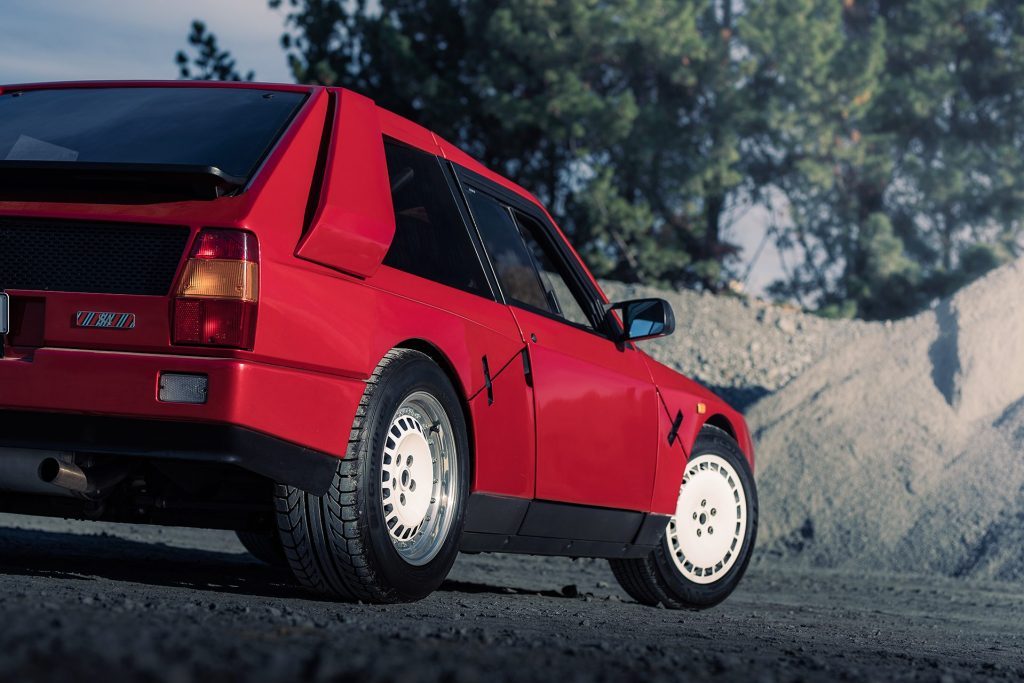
column 208, row 140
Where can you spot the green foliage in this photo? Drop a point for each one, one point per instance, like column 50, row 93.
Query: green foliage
column 888, row 129
column 933, row 148
column 210, row 63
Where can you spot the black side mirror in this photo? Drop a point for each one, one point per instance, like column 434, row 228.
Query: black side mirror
column 645, row 318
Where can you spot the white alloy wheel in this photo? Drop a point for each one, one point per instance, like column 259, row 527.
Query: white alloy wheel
column 419, row 478
column 705, row 536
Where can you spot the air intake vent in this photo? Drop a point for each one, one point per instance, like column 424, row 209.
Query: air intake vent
column 98, row 258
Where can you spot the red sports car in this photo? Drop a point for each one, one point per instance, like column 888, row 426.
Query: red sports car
column 284, row 311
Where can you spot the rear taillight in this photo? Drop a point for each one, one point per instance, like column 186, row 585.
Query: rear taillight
column 219, row 290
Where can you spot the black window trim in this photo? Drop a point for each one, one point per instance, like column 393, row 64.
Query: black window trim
column 469, row 224
column 278, row 140
column 596, row 313
column 458, row 200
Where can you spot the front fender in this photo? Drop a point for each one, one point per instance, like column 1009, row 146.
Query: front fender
column 686, row 408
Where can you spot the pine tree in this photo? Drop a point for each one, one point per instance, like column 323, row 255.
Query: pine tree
column 889, row 129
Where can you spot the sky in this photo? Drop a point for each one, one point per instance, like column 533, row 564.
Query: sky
column 53, row 40
column 45, row 40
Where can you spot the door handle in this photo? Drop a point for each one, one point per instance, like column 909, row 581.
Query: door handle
column 533, row 337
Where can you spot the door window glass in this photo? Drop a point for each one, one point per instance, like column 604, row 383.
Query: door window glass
column 561, row 298
column 529, row 274
column 515, row 268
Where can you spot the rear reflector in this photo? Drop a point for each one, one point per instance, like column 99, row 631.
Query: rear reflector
column 175, row 388
column 217, row 296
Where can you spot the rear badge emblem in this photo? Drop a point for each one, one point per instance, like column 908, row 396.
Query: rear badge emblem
column 111, row 321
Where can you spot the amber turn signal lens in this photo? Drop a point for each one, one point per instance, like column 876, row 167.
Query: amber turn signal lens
column 219, row 279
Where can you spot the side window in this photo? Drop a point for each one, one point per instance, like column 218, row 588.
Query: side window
column 431, row 240
column 526, row 272
column 512, row 260
column 552, row 272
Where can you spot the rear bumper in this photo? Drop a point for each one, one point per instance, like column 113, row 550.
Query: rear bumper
column 266, row 418
column 281, row 461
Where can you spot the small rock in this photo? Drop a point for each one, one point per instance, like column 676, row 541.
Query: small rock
column 786, row 325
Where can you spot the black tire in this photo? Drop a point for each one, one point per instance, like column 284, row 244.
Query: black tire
column 657, row 579
column 264, row 546
column 339, row 544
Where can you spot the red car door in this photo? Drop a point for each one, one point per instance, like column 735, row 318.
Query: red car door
column 595, row 404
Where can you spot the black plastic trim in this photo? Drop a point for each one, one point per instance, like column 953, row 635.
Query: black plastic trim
column 76, row 181
column 527, row 367
column 559, row 547
column 281, row 461
column 488, row 384
column 536, row 527
column 490, row 514
column 561, row 520
column 673, row 433
column 652, row 530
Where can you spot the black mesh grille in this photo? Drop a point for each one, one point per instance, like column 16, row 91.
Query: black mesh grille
column 100, row 258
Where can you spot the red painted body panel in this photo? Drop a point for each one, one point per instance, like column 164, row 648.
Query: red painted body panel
column 597, row 418
column 293, row 405
column 672, row 459
column 355, row 222
column 680, row 393
column 504, row 434
column 591, row 429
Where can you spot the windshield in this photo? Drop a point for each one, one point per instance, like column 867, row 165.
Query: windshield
column 230, row 129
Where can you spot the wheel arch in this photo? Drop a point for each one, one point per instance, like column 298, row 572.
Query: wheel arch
column 722, row 422
column 737, row 430
column 672, row 457
column 435, row 354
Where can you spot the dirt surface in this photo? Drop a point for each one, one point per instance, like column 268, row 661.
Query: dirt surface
column 90, row 602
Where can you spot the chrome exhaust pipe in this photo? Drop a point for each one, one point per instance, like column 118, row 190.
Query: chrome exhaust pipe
column 66, row 475
column 19, row 471
column 91, row 483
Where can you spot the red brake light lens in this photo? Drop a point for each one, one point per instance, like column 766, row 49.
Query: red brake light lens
column 226, row 245
column 212, row 322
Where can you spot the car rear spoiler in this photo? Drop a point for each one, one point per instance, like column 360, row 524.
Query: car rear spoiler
column 88, row 182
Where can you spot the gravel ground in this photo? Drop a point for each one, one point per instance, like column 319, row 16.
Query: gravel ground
column 85, row 601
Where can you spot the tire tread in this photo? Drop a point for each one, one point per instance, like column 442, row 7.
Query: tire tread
column 325, row 538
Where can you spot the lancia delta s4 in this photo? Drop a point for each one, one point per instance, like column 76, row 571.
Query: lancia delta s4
column 286, row 312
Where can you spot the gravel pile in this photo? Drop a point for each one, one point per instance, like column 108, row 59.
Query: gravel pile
column 742, row 349
column 905, row 450
column 881, row 447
